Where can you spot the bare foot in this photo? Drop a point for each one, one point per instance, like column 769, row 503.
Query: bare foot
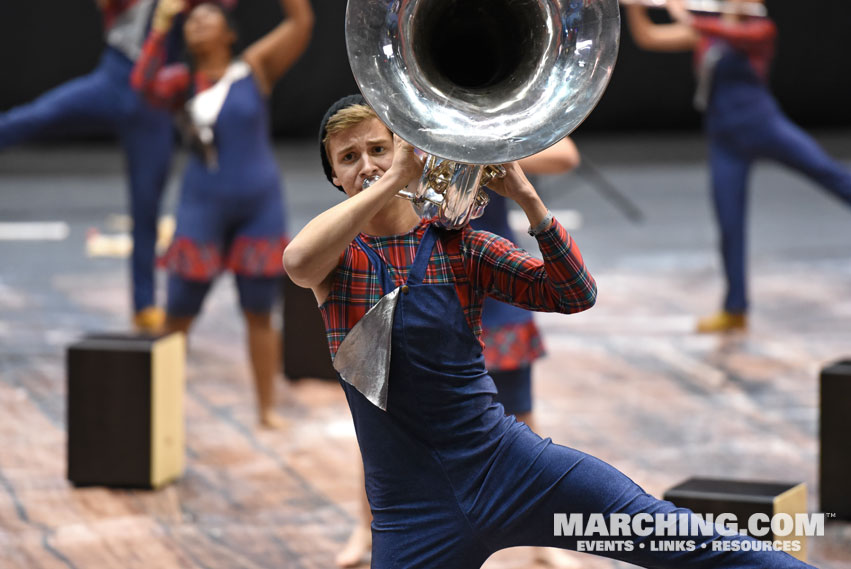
column 357, row 549
column 271, row 420
column 558, row 558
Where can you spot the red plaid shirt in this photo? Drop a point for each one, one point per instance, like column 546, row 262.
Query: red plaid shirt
column 479, row 263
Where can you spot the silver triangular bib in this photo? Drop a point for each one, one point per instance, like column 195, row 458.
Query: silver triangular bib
column 363, row 358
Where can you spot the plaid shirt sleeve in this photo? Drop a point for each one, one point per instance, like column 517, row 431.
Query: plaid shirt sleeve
column 559, row 283
column 162, row 85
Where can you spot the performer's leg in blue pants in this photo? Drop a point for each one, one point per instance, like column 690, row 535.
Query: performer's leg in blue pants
column 147, row 140
column 456, row 517
column 585, row 485
column 730, row 171
column 85, row 104
column 782, row 140
column 731, row 156
column 104, row 100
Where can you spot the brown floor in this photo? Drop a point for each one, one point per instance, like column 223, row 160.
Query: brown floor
column 627, row 381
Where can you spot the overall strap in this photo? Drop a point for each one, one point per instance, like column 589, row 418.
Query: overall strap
column 452, row 245
column 418, row 269
column 385, row 280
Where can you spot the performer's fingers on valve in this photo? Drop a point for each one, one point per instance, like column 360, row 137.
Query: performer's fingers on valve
column 511, row 180
column 406, row 160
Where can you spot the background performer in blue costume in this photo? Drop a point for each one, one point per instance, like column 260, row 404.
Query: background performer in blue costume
column 231, row 214
column 450, row 478
column 104, row 99
column 744, row 123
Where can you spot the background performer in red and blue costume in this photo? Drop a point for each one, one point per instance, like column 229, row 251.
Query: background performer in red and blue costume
column 744, row 123
column 104, row 99
column 231, row 212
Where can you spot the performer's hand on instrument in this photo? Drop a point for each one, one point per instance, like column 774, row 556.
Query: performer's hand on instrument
column 407, row 166
column 514, row 185
column 165, row 14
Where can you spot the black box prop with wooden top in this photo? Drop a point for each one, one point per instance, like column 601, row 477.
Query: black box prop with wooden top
column 744, row 499
column 835, row 435
column 125, row 410
column 305, row 345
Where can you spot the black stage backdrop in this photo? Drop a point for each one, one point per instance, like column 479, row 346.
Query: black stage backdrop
column 45, row 42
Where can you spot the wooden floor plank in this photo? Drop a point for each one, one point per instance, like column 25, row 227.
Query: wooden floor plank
column 628, row 381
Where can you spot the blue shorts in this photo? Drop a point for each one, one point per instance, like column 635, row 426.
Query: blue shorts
column 256, row 294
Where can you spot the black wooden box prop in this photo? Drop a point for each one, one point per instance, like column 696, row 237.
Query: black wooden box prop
column 835, row 435
column 743, row 499
column 125, row 410
column 305, row 348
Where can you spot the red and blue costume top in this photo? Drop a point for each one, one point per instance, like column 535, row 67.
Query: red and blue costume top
column 479, row 264
column 733, row 61
column 230, row 214
column 754, row 37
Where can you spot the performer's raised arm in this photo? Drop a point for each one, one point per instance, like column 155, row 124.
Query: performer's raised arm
column 162, row 85
column 561, row 157
column 561, row 283
column 273, row 54
column 355, row 154
column 316, row 250
column 676, row 36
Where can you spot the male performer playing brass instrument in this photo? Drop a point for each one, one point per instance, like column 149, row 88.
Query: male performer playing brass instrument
column 450, row 478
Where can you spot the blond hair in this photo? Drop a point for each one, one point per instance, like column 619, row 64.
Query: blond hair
column 345, row 119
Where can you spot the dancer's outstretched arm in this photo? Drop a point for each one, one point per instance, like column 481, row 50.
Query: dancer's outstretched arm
column 561, row 157
column 676, row 36
column 162, row 85
column 273, row 54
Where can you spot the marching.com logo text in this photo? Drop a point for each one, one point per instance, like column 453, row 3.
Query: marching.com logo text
column 688, row 528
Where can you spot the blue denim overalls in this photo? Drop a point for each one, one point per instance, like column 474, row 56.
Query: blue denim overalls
column 451, row 479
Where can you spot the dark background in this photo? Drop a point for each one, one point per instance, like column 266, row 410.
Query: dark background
column 45, row 42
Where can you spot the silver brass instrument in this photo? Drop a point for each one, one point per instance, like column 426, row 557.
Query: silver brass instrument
column 753, row 9
column 478, row 83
